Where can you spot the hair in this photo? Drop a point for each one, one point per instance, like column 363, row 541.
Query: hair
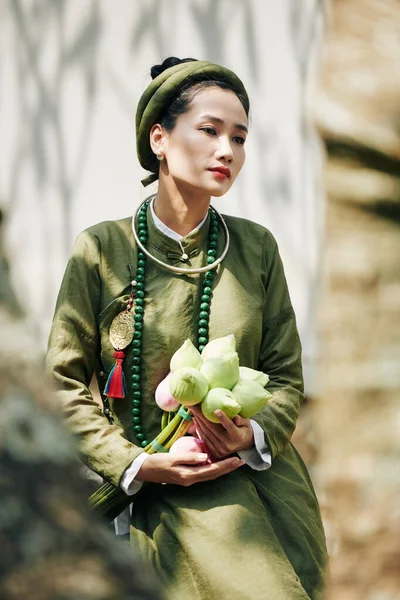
column 187, row 91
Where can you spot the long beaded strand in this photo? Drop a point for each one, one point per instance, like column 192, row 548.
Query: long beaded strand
column 205, row 300
column 138, row 283
column 137, row 336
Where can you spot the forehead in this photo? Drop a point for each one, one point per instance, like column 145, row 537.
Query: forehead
column 223, row 104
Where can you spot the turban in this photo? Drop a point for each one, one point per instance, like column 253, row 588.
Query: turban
column 160, row 93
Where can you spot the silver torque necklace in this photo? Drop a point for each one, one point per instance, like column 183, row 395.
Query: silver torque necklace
column 181, row 270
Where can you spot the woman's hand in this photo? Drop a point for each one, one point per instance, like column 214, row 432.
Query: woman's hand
column 226, row 438
column 185, row 469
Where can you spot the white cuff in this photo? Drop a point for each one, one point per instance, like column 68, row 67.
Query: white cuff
column 130, row 487
column 128, row 483
column 122, row 523
column 258, row 457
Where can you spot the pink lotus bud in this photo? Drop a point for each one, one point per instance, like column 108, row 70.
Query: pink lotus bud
column 164, row 398
column 189, row 444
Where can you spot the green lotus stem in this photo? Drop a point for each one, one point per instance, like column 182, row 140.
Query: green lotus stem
column 165, row 419
column 167, row 432
column 115, row 504
column 102, row 495
column 164, row 435
column 180, row 432
column 109, row 501
column 182, row 428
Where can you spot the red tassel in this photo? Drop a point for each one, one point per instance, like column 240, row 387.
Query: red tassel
column 115, row 386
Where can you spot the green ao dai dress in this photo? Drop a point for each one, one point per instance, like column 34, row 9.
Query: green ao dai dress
column 247, row 535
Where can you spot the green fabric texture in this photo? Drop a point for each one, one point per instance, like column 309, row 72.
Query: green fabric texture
column 159, row 94
column 250, row 534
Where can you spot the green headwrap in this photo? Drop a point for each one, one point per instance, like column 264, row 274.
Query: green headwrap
column 159, row 95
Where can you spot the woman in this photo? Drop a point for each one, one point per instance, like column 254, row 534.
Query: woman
column 247, row 526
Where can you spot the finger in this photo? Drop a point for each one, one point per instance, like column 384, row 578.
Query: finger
column 219, row 445
column 195, row 410
column 192, row 430
column 200, row 418
column 241, row 421
column 218, row 469
column 189, row 458
column 214, row 427
column 225, row 421
column 217, row 438
column 204, row 437
column 213, row 449
column 207, row 435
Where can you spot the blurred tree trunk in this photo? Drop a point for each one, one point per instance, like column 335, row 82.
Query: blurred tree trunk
column 358, row 412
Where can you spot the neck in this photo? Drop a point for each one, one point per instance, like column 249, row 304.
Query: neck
column 181, row 210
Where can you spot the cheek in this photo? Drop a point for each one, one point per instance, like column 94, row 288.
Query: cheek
column 240, row 159
column 188, row 156
column 187, row 144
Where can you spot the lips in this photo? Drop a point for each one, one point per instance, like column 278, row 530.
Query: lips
column 223, row 170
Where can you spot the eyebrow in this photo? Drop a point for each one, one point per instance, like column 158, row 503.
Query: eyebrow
column 221, row 121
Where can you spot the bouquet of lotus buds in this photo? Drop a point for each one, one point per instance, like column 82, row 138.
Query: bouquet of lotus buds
column 213, row 380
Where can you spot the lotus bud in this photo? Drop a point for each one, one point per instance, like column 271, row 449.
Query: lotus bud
column 190, row 444
column 222, row 371
column 253, row 375
column 219, row 399
column 163, row 396
column 186, row 356
column 188, row 386
column 218, row 347
column 251, row 396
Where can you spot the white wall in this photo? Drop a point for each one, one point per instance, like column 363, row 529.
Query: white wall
column 71, row 74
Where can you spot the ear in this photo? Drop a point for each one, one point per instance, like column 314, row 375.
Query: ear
column 157, row 138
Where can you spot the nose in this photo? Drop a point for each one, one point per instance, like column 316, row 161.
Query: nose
column 224, row 150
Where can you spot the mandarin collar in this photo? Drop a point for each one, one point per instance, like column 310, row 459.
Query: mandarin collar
column 191, row 243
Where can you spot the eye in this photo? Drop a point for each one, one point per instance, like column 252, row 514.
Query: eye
column 209, row 130
column 239, row 140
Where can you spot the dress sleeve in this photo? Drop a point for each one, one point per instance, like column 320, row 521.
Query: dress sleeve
column 71, row 360
column 280, row 356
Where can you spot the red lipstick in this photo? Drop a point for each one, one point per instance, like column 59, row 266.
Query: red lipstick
column 221, row 172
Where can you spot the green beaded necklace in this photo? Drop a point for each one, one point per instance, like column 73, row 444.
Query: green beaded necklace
column 138, row 295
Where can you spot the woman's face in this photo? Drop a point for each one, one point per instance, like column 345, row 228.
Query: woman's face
column 205, row 150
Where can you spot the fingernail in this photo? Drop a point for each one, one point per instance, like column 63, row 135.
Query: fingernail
column 202, row 456
column 218, row 413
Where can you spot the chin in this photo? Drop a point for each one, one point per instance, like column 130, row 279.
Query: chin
column 220, row 190
column 217, row 193
column 214, row 189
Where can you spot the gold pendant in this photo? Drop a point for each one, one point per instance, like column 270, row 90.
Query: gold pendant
column 121, row 330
